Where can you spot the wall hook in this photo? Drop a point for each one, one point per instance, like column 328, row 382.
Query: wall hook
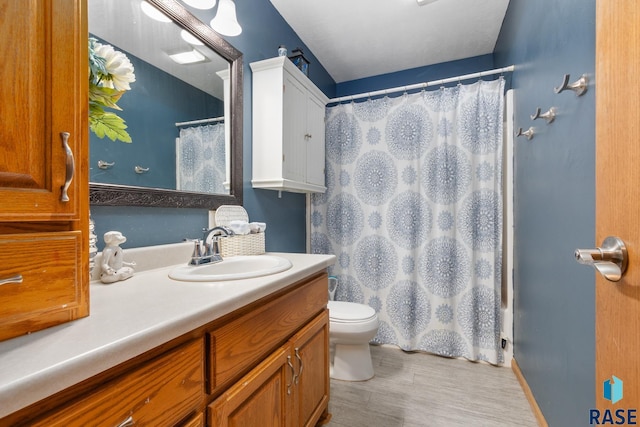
column 549, row 116
column 105, row 165
column 579, row 86
column 140, row 169
column 528, row 133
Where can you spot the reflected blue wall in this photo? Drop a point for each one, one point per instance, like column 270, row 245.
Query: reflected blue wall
column 155, row 103
column 554, row 203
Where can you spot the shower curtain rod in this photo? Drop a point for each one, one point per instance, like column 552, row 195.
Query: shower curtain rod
column 201, row 121
column 423, row 85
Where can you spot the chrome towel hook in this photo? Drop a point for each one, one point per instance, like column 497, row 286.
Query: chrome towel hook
column 579, row 86
column 549, row 116
column 105, row 165
column 528, row 133
column 140, row 169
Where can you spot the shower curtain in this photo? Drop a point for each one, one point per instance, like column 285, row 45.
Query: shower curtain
column 200, row 159
column 413, row 212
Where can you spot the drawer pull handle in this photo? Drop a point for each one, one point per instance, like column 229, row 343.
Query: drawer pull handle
column 14, row 279
column 126, row 423
column 293, row 372
column 301, row 365
column 64, row 197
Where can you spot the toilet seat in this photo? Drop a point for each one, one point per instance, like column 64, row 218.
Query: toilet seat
column 349, row 312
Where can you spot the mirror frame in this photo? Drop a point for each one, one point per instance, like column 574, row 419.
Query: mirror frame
column 127, row 195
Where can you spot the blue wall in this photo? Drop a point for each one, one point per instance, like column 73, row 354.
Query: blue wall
column 416, row 75
column 263, row 30
column 554, row 203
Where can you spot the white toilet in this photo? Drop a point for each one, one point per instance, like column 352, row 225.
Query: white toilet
column 351, row 327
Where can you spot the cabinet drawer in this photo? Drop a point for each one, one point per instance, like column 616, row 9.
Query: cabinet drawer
column 51, row 290
column 160, row 393
column 241, row 343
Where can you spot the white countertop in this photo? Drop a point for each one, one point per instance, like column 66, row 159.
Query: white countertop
column 127, row 319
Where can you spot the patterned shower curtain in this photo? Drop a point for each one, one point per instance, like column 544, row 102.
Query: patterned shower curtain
column 200, row 159
column 413, row 212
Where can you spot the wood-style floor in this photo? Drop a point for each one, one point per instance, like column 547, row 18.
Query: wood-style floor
column 418, row 389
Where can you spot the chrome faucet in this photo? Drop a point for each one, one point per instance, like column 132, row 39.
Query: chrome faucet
column 207, row 253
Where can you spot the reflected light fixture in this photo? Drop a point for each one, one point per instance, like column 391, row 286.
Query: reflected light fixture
column 189, row 57
column 225, row 21
column 200, row 4
column 153, row 13
column 190, row 38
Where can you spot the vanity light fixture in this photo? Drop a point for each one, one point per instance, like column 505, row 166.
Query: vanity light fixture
column 424, row 2
column 189, row 57
column 225, row 22
column 153, row 13
column 190, row 38
column 200, row 4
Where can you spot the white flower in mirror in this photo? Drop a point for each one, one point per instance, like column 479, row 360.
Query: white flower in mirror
column 119, row 68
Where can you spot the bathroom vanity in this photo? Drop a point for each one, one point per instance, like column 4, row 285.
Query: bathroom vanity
column 156, row 351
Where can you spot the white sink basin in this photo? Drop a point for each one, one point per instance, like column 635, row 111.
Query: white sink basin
column 233, row 268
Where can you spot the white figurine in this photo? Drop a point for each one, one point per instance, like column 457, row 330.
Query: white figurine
column 114, row 268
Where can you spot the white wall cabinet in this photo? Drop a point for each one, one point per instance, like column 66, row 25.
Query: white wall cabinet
column 288, row 128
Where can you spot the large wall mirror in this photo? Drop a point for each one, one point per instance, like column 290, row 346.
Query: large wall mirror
column 184, row 116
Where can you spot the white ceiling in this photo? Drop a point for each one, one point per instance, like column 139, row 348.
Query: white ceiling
column 355, row 39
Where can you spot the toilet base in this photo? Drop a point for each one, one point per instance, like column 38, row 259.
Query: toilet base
column 351, row 362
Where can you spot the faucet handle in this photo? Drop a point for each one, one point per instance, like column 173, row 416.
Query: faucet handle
column 197, row 248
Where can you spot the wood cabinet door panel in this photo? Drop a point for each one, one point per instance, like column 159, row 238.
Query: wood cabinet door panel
column 311, row 351
column 260, row 398
column 42, row 99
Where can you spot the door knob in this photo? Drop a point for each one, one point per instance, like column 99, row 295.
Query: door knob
column 610, row 260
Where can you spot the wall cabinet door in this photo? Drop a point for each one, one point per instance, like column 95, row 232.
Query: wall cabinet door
column 315, row 143
column 260, row 398
column 44, row 80
column 288, row 128
column 294, row 161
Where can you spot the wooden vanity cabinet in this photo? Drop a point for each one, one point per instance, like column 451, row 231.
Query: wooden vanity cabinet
column 44, row 195
column 264, row 364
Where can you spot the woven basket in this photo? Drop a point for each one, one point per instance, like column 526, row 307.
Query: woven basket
column 248, row 244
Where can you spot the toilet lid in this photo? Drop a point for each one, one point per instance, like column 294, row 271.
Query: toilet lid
column 349, row 311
